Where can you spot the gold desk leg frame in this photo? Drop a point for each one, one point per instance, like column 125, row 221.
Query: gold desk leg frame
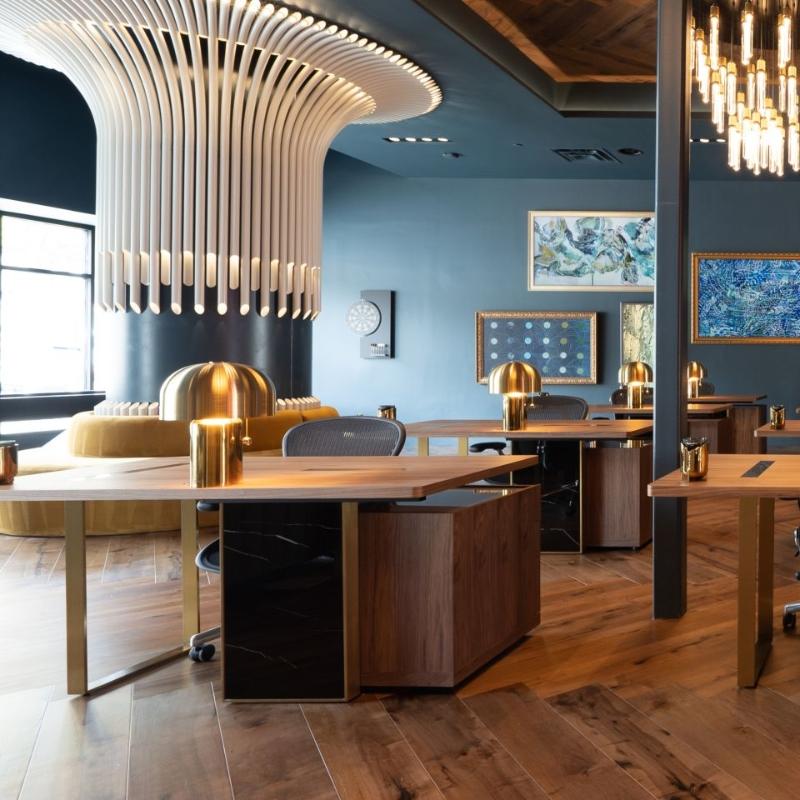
column 423, row 446
column 755, row 600
column 189, row 572
column 75, row 564
column 75, row 557
column 350, row 610
column 463, row 445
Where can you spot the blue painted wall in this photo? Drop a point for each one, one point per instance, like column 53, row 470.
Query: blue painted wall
column 451, row 247
column 448, row 247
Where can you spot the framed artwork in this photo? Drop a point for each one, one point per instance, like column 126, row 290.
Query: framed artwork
column 637, row 338
column 745, row 298
column 591, row 251
column 562, row 345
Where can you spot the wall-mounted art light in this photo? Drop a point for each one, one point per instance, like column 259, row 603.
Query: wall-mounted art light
column 210, row 159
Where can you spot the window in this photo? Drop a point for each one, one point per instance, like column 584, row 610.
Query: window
column 45, row 305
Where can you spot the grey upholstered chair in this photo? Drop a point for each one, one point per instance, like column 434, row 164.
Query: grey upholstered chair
column 337, row 436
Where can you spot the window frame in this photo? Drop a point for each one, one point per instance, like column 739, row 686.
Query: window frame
column 55, row 216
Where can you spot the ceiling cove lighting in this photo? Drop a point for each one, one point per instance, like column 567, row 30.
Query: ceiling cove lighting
column 210, row 159
column 755, row 101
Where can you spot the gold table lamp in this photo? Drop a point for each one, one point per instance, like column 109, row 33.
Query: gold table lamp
column 515, row 380
column 217, row 398
column 695, row 372
column 633, row 375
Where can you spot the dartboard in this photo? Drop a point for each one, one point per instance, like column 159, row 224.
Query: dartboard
column 363, row 317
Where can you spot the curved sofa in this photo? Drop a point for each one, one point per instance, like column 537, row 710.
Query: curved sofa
column 90, row 439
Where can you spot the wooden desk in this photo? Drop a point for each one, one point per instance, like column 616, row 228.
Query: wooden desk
column 711, row 420
column 584, row 430
column 748, row 414
column 615, row 510
column 791, row 430
column 284, row 481
column 726, row 478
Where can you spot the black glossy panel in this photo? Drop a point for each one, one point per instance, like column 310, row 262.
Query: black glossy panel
column 147, row 347
column 282, row 609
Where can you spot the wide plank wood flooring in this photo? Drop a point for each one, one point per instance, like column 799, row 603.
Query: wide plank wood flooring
column 598, row 703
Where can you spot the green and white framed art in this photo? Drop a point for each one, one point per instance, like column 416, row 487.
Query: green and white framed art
column 562, row 345
column 637, row 338
column 610, row 251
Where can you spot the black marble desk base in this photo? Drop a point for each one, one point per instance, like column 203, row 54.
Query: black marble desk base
column 290, row 604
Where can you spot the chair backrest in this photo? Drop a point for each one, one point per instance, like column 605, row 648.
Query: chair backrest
column 557, row 406
column 705, row 388
column 345, row 436
column 619, row 397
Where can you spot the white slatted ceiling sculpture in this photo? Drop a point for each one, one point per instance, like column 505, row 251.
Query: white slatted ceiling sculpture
column 210, row 159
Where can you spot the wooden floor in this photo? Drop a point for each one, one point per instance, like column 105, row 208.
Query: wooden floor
column 599, row 702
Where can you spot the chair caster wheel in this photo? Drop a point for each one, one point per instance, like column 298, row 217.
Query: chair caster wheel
column 789, row 621
column 203, row 653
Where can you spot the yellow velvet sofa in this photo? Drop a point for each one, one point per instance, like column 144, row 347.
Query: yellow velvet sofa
column 90, row 439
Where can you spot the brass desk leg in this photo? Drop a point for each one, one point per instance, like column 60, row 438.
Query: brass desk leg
column 463, row 445
column 350, row 611
column 423, row 446
column 75, row 560
column 755, row 602
column 189, row 571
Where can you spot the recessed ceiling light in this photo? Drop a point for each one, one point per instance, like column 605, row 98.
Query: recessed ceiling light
column 704, row 141
column 416, row 139
column 630, row 151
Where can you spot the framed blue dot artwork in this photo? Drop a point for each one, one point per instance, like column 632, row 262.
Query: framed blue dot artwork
column 745, row 298
column 562, row 345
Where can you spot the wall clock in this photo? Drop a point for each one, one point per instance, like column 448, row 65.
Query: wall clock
column 363, row 317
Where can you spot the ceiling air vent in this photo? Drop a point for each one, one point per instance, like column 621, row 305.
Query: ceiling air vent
column 586, row 154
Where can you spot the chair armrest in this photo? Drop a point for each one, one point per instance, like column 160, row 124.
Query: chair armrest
column 482, row 447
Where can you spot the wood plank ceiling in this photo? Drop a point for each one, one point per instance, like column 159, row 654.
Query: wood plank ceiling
column 579, row 41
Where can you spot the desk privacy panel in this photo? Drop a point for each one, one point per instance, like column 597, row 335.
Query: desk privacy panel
column 562, row 345
column 210, row 158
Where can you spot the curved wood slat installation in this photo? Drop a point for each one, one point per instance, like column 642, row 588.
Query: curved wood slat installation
column 210, row 159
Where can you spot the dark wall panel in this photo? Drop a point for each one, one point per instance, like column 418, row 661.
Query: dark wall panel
column 47, row 138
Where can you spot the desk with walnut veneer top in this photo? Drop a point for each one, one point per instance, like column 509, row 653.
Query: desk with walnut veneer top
column 712, row 420
column 612, row 463
column 747, row 414
column 755, row 483
column 315, row 498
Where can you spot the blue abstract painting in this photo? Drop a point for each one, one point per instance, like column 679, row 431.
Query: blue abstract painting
column 591, row 251
column 745, row 298
column 562, row 345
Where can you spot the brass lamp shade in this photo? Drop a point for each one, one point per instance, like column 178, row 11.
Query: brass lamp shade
column 635, row 372
column 216, row 389
column 514, row 377
column 695, row 370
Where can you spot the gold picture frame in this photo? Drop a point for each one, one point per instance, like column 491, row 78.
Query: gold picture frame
column 587, row 350
column 538, row 286
column 696, row 337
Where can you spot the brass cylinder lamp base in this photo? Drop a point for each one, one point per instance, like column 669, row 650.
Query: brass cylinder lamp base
column 635, row 395
column 215, row 452
column 514, row 411
column 693, row 389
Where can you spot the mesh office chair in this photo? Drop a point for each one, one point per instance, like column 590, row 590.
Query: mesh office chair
column 619, row 397
column 337, row 436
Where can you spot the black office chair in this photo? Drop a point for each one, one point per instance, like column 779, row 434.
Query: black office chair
column 337, row 436
column 705, row 388
column 619, row 397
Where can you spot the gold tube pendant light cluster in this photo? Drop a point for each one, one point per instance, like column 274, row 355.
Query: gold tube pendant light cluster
column 213, row 121
column 756, row 99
